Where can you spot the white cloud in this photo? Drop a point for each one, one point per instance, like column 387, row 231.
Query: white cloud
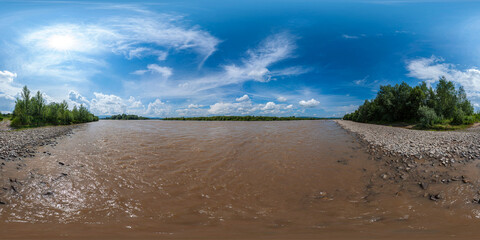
column 309, row 104
column 269, row 106
column 431, row 69
column 275, row 48
column 243, row 98
column 157, row 108
column 242, row 108
column 104, row 104
column 8, row 90
column 361, row 81
column 282, row 99
column 194, row 106
column 166, row 72
column 141, row 52
column 256, row 67
column 107, row 104
column 74, row 52
column 6, row 76
column 77, row 99
column 247, row 108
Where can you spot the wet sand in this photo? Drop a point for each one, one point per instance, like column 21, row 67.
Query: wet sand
column 190, row 180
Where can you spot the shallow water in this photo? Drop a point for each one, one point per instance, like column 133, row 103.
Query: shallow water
column 168, row 179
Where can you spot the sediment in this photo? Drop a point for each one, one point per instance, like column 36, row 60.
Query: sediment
column 19, row 144
column 446, row 147
column 436, row 165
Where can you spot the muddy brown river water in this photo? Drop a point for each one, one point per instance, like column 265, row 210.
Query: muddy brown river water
column 223, row 180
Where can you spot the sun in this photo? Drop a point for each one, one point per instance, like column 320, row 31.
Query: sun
column 61, row 42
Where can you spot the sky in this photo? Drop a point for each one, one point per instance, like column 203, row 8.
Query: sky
column 212, row 57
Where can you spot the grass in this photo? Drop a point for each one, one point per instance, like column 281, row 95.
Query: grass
column 446, row 127
column 443, row 126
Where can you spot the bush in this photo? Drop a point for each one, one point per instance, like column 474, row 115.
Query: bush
column 458, row 117
column 428, row 117
column 469, row 120
column 16, row 122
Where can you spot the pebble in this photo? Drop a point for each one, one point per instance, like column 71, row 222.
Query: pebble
column 15, row 145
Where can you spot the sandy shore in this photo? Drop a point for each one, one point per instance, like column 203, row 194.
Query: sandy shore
column 442, row 166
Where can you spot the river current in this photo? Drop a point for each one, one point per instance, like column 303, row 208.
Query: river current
column 186, row 179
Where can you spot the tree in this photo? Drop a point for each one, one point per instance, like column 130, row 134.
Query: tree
column 421, row 104
column 33, row 111
column 446, row 98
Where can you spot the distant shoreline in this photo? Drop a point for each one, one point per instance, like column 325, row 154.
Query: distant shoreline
column 244, row 118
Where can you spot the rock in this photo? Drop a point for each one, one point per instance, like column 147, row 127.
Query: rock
column 61, row 163
column 435, row 197
column 423, row 185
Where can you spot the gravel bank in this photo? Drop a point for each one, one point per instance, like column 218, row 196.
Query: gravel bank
column 446, row 147
column 440, row 166
column 18, row 144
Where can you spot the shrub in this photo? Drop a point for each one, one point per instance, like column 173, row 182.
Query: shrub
column 469, row 120
column 427, row 115
column 458, row 117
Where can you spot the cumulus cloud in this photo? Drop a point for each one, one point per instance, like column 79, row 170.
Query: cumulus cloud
column 243, row 98
column 269, row 106
column 194, row 106
column 157, row 108
column 6, row 76
column 77, row 99
column 431, row 69
column 8, row 90
column 309, row 104
column 107, row 104
column 166, row 72
column 282, row 99
column 247, row 108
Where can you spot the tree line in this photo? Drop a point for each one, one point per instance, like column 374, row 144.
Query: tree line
column 240, row 118
column 420, row 104
column 33, row 111
column 126, row 117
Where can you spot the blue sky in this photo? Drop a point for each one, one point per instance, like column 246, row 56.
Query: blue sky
column 199, row 58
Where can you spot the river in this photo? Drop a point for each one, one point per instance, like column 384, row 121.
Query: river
column 186, row 179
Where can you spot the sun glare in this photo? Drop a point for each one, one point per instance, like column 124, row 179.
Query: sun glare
column 61, row 42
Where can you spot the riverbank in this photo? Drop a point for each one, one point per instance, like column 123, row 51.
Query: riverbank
column 441, row 166
column 22, row 143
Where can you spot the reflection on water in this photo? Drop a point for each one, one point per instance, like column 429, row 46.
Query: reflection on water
column 189, row 179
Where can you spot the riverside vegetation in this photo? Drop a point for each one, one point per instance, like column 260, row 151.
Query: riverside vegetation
column 125, row 117
column 442, row 108
column 32, row 111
